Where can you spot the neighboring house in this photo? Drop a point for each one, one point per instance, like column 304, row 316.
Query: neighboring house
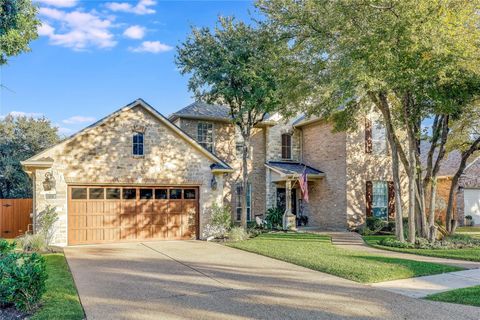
column 137, row 175
column 467, row 196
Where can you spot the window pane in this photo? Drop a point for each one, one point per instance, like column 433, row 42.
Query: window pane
column 175, row 193
column 113, row 193
column 189, row 193
column 380, row 199
column 79, row 193
column 146, row 193
column 129, row 194
column 97, row 193
column 161, row 194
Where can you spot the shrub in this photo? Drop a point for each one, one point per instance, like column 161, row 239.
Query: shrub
column 216, row 232
column 221, row 216
column 22, row 280
column 237, row 234
column 391, row 242
column 33, row 242
column 373, row 226
column 6, row 247
column 274, row 218
column 46, row 222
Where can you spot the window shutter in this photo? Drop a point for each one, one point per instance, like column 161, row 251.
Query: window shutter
column 368, row 136
column 369, row 198
column 391, row 200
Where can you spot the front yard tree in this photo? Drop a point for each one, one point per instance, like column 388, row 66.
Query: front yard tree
column 18, row 26
column 236, row 65
column 399, row 56
column 20, row 139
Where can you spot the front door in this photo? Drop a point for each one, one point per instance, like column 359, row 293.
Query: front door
column 281, row 200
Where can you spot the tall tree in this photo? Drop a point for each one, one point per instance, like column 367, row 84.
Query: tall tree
column 237, row 65
column 18, row 26
column 397, row 55
column 20, row 139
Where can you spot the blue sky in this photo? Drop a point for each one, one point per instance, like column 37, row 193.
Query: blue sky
column 92, row 57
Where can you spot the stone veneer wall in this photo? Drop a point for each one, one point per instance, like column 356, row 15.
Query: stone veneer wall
column 325, row 150
column 224, row 146
column 104, row 155
column 362, row 167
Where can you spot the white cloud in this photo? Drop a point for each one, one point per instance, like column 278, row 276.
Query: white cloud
column 142, row 7
column 59, row 3
column 64, row 130
column 78, row 119
column 152, row 47
column 17, row 114
column 77, row 30
column 134, row 32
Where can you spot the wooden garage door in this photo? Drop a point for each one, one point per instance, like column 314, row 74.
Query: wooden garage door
column 111, row 213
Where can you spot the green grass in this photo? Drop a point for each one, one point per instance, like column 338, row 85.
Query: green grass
column 470, row 254
column 470, row 296
column 468, row 229
column 61, row 299
column 316, row 252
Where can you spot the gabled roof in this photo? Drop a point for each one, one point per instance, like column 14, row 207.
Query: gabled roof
column 450, row 162
column 292, row 168
column 37, row 159
column 202, row 110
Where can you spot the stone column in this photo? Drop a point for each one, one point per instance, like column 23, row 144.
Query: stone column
column 288, row 218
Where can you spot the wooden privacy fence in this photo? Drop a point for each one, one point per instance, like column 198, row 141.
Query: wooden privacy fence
column 15, row 217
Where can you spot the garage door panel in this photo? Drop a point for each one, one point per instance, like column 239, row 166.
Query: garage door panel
column 97, row 215
column 95, row 208
column 472, row 204
column 113, row 207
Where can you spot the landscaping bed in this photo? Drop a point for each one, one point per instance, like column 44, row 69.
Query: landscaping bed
column 316, row 252
column 469, row 296
column 470, row 254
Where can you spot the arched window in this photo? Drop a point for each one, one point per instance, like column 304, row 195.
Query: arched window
column 286, row 146
column 137, row 140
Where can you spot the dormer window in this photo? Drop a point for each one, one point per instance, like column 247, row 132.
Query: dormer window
column 286, row 146
column 137, row 140
column 205, row 135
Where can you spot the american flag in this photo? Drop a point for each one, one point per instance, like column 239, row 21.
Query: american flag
column 303, row 182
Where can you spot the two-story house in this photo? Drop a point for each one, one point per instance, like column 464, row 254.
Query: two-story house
column 137, row 175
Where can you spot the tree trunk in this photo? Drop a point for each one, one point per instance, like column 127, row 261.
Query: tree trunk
column 246, row 145
column 431, row 206
column 382, row 105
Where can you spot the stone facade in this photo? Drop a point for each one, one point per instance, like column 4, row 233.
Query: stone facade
column 103, row 155
column 225, row 138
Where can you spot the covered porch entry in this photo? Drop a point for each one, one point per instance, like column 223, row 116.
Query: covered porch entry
column 283, row 180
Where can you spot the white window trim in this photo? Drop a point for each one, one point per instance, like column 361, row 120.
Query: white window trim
column 213, row 134
column 143, row 144
column 291, row 146
column 386, row 196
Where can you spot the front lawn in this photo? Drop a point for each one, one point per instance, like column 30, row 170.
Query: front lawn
column 316, row 252
column 470, row 296
column 61, row 299
column 471, row 254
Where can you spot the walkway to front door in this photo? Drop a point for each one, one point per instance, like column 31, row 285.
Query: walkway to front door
column 201, row 280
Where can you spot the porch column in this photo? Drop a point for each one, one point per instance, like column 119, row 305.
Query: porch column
column 288, row 218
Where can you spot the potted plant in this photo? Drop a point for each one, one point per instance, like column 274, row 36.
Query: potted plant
column 469, row 220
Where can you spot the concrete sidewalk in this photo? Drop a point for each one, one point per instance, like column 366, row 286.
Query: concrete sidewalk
column 423, row 286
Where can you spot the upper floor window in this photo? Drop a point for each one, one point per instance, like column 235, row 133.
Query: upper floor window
column 375, row 137
column 205, row 135
column 286, row 146
column 137, row 140
column 379, row 138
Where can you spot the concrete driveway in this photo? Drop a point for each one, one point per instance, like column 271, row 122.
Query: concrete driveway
column 200, row 280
